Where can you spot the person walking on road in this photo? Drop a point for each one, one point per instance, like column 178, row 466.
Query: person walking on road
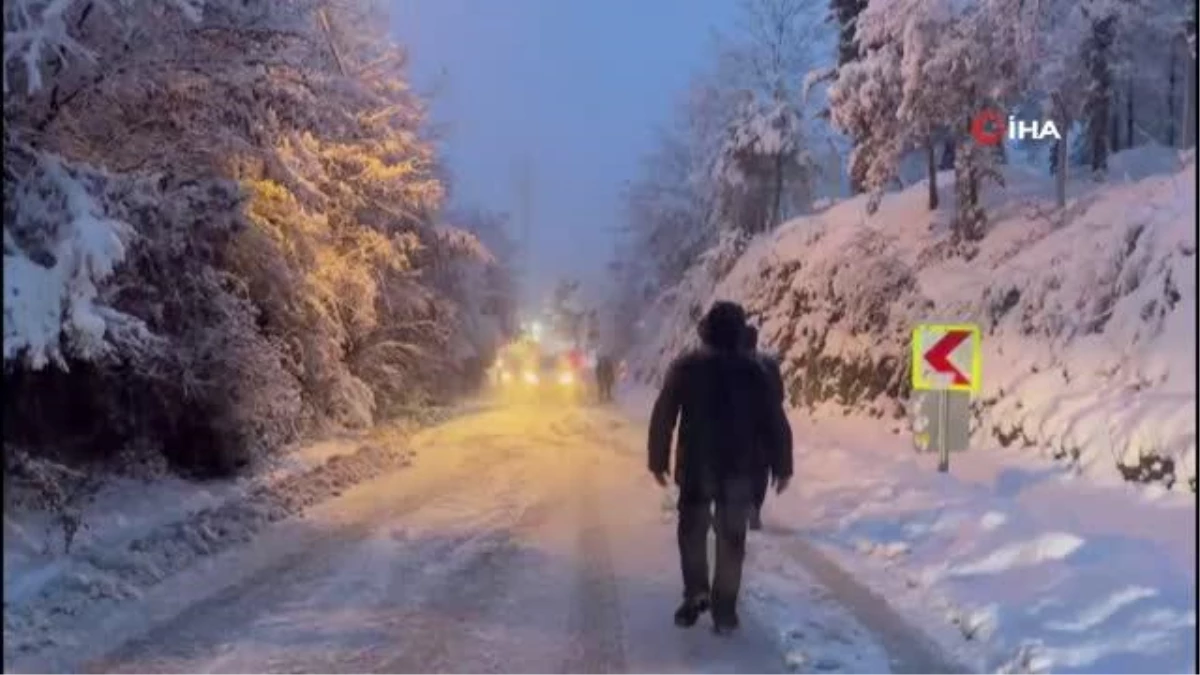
column 721, row 399
column 780, row 458
column 605, row 374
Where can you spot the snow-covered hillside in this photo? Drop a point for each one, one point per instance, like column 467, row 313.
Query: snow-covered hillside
column 1088, row 316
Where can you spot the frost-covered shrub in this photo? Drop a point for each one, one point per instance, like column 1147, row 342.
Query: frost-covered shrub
column 59, row 245
column 213, row 391
column 225, row 378
column 36, row 482
column 472, row 278
column 257, row 259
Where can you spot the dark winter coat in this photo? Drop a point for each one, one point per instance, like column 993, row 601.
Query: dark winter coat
column 780, row 463
column 723, row 402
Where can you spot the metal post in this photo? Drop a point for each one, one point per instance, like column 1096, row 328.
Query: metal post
column 523, row 174
column 943, row 445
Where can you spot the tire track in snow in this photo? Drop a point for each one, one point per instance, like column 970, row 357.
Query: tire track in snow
column 909, row 651
column 429, row 608
column 404, row 613
column 597, row 632
column 443, row 629
column 194, row 632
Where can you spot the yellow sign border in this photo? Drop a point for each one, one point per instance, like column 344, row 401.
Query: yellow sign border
column 920, row 383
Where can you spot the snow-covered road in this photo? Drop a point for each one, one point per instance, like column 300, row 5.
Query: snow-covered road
column 521, row 539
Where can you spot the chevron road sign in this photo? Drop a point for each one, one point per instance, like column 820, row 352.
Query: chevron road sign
column 946, row 368
column 946, row 357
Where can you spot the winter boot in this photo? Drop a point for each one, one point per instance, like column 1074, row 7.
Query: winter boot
column 689, row 612
column 725, row 623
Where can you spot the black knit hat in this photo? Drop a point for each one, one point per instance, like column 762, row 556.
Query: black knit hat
column 722, row 328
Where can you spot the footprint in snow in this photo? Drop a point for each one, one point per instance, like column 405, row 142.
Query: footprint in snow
column 799, row 662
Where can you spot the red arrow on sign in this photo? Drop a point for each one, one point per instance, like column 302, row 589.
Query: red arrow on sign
column 938, row 355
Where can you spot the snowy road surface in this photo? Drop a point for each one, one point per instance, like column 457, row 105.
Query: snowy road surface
column 522, row 539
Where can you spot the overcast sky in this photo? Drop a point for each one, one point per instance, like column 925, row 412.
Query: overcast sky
column 576, row 86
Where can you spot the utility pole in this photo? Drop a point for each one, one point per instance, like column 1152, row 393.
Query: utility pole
column 525, row 201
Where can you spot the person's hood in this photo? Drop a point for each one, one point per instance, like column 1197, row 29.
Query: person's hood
column 721, row 329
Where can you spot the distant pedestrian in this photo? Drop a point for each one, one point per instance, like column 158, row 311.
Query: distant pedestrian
column 605, row 375
column 780, row 457
column 721, row 399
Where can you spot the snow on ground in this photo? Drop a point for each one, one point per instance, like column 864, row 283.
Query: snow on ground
column 136, row 533
column 124, row 509
column 1012, row 561
column 1046, row 571
column 562, row 559
column 1009, row 562
column 821, row 619
column 1088, row 316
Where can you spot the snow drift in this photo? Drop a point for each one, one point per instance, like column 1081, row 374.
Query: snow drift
column 1088, row 315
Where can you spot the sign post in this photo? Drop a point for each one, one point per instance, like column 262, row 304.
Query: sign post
column 945, row 373
column 943, row 449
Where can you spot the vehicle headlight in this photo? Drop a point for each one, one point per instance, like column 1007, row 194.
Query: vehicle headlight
column 566, row 378
column 531, row 377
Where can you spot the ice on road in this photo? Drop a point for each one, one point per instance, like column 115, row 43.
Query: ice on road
column 522, row 539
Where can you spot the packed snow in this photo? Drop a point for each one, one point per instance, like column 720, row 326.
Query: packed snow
column 1072, row 551
column 1088, row 316
column 562, row 560
column 1025, row 566
column 138, row 532
column 1009, row 562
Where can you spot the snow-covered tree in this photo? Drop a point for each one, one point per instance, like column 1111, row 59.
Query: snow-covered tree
column 667, row 206
column 927, row 67
column 844, row 14
column 775, row 43
column 568, row 312
column 59, row 247
column 776, row 52
column 762, row 166
column 862, row 104
column 262, row 169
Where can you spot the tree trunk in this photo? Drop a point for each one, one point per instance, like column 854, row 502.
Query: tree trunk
column 1190, row 118
column 778, row 205
column 1100, row 98
column 948, row 151
column 856, row 184
column 1129, row 114
column 846, row 12
column 968, row 216
column 1059, row 160
column 930, row 156
column 1171, row 93
column 1060, row 176
column 1114, row 127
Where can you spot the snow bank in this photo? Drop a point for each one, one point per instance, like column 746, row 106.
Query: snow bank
column 136, row 538
column 1088, row 316
column 1010, row 562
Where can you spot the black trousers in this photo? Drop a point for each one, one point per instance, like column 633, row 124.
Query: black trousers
column 604, row 387
column 721, row 505
column 761, row 483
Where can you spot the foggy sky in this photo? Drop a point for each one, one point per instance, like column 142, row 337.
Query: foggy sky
column 577, row 86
